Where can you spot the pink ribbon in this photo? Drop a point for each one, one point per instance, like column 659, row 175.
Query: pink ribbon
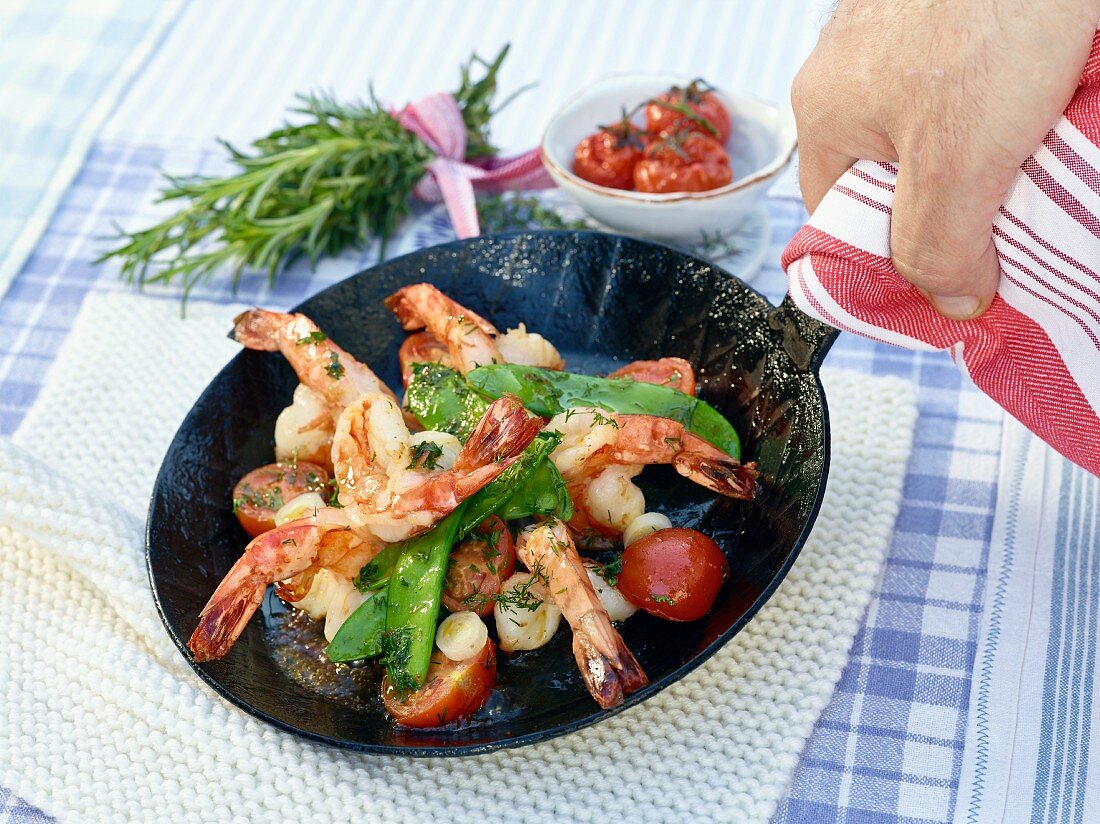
column 438, row 121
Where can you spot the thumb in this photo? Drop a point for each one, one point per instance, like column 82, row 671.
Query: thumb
column 941, row 235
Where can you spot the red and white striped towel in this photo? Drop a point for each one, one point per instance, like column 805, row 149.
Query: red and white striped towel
column 1036, row 350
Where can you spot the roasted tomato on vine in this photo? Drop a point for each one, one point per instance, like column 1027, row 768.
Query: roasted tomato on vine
column 608, row 156
column 478, row 568
column 683, row 162
column 694, row 107
column 262, row 492
column 452, row 690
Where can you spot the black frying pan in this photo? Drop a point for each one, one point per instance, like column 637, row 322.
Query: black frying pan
column 604, row 300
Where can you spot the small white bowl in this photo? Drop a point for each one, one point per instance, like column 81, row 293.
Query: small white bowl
column 761, row 143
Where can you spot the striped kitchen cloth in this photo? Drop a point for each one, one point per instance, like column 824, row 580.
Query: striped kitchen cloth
column 1036, row 350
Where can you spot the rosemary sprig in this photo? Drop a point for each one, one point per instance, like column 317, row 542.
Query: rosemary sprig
column 332, row 181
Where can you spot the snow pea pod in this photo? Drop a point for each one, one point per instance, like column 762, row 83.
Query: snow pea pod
column 413, row 597
column 548, row 392
column 360, row 636
column 441, row 399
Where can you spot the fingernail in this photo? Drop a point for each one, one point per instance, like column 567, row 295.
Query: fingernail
column 957, row 307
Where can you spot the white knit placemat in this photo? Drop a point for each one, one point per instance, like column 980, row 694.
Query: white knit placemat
column 101, row 719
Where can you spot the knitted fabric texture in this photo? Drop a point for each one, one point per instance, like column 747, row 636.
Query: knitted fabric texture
column 102, row 720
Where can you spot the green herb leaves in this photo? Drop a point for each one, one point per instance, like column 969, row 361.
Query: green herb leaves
column 338, row 176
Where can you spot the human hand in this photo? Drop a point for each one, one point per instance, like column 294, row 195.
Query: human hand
column 958, row 93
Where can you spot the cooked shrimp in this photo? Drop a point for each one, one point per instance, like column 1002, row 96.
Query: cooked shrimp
column 470, row 339
column 674, row 372
column 394, row 492
column 608, row 668
column 292, row 550
column 529, row 349
column 594, row 440
column 303, row 431
column 607, row 502
column 319, row 363
column 421, row 347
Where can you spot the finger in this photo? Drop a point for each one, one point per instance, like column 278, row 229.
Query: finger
column 941, row 234
column 818, row 169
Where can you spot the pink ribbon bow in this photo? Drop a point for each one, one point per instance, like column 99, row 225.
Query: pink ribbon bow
column 438, row 121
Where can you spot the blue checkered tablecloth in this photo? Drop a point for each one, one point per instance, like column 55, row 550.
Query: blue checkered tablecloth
column 889, row 746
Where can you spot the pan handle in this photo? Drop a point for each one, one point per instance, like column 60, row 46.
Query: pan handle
column 806, row 340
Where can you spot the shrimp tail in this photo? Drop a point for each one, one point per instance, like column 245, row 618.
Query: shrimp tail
column 273, row 556
column 503, row 432
column 225, row 615
column 258, row 329
column 724, row 476
column 608, row 677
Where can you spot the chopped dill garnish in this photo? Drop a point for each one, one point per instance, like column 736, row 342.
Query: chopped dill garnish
column 335, row 369
column 602, row 420
column 611, row 570
column 425, row 455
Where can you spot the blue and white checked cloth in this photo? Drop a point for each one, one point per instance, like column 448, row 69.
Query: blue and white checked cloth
column 893, row 744
column 63, row 64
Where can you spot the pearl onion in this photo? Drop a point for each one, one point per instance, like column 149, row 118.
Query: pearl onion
column 645, row 524
column 301, row 506
column 462, row 635
column 520, row 628
column 618, row 608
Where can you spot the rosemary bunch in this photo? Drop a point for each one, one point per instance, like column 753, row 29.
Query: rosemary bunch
column 334, row 180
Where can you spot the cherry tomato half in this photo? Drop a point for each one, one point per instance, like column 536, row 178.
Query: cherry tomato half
column 667, row 113
column 421, row 347
column 452, row 690
column 673, row 573
column 674, row 372
column 478, row 568
column 683, row 162
column 608, row 156
column 262, row 492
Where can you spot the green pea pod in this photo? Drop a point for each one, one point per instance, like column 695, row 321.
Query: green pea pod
column 542, row 493
column 530, row 486
column 360, row 636
column 547, row 392
column 441, row 399
column 376, row 573
column 413, row 602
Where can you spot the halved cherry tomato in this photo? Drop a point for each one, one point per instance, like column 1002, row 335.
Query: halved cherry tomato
column 262, row 492
column 608, row 156
column 683, row 162
column 478, row 567
column 421, row 347
column 668, row 112
column 674, row 372
column 453, row 690
column 673, row 573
